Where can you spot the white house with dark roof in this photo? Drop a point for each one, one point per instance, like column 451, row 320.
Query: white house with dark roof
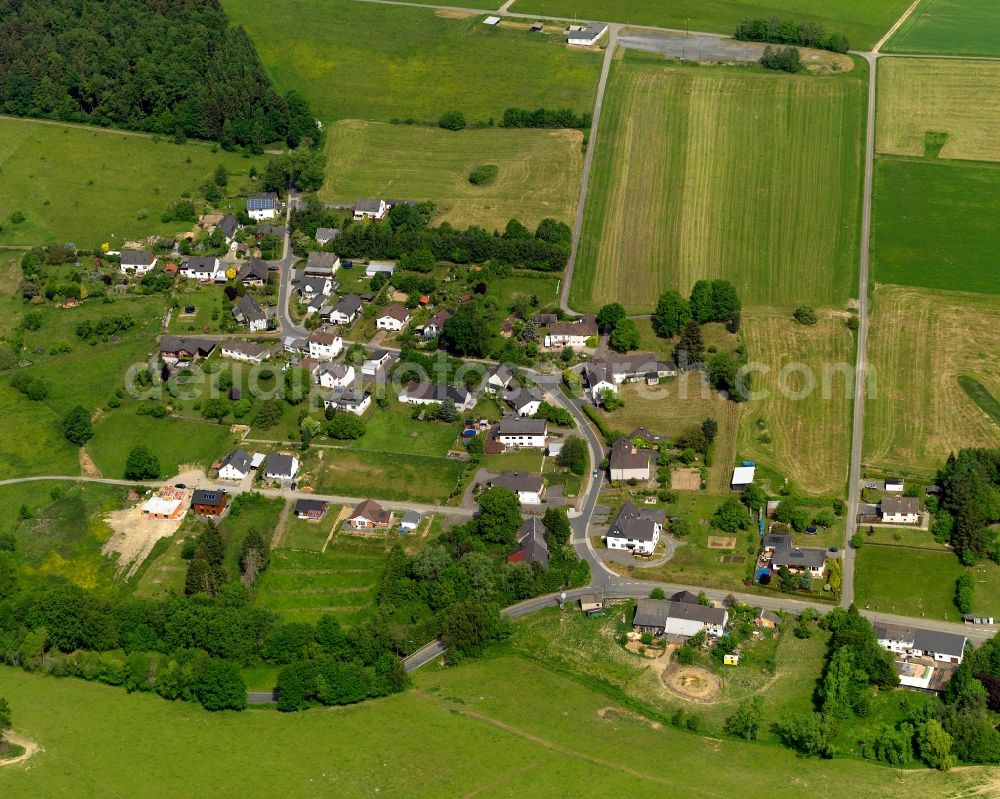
column 378, row 361
column 346, row 310
column 315, row 285
column 137, row 262
column 524, row 401
column 522, row 433
column 235, row 466
column 321, row 264
column 906, row 641
column 635, row 530
column 628, row 462
column 900, row 510
column 281, row 467
column 587, row 35
column 433, row 394
column 393, row 318
column 664, row 617
column 498, row 379
column 203, row 268
column 247, row 311
column 263, row 205
column 253, row 273
column 434, row 325
column 571, row 334
column 528, row 486
column 324, row 345
column 800, row 559
column 368, row 208
column 245, row 351
column 350, row 399
column 335, row 375
column 229, row 225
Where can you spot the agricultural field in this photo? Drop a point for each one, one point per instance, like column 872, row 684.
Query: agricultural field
column 302, row 582
column 864, row 22
column 367, row 61
column 934, row 224
column 923, row 102
column 949, row 27
column 454, row 737
column 91, row 185
column 920, row 342
column 722, row 172
column 675, row 406
column 801, row 427
column 921, row 582
column 538, row 177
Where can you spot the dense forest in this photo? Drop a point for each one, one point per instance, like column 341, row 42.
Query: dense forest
column 173, row 67
column 970, row 504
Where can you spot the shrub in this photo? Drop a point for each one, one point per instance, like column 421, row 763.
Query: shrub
column 782, row 58
column 805, row 315
column 452, row 120
column 484, row 174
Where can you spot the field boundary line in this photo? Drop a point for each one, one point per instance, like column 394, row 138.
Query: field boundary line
column 344, row 513
column 896, row 26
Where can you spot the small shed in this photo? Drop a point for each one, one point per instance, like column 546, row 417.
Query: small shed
column 257, row 460
column 537, row 27
column 589, row 602
column 732, row 659
column 894, row 485
column 742, row 477
column 492, row 21
column 410, row 521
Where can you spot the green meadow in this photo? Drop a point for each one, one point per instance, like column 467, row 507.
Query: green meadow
column 950, row 27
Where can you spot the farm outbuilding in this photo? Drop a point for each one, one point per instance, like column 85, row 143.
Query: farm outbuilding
column 742, row 477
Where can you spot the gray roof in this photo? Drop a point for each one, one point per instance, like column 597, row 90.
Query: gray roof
column 137, row 258
column 349, row 304
column 320, row 260
column 799, row 558
column 254, row 269
column 521, row 397
column 351, row 395
column 519, row 481
column 651, row 613
column 896, row 505
column 249, row 309
column 239, row 459
column 501, row 371
column 268, row 229
column 411, row 517
column 702, row 613
column 532, row 526
column 278, row 464
column 645, row 435
column 521, row 427
column 532, row 549
column 367, row 205
column 208, row 497
column 338, row 370
column 307, row 505
column 246, row 347
column 586, row 326
column 196, row 346
column 201, row 263
column 626, row 456
column 633, row 364
column 893, row 632
column 326, row 233
column 594, row 30
column 437, row 393
column 941, row 643
column 771, row 616
column 635, row 523
column 684, row 596
column 229, row 225
column 777, row 541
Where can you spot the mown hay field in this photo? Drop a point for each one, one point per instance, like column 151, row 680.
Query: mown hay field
column 917, row 96
column 538, row 177
column 920, row 341
column 934, row 224
column 949, row 27
column 356, row 60
column 91, row 185
column 709, row 172
column 862, row 21
column 800, row 427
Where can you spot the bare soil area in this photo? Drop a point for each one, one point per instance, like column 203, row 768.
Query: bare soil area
column 693, row 682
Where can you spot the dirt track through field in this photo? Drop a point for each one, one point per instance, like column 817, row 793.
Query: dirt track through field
column 30, row 748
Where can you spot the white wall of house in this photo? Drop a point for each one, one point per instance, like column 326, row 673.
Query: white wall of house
column 530, row 442
column 390, row 323
column 900, row 518
column 229, row 472
column 529, row 409
column 326, row 352
column 239, row 355
column 640, row 547
column 260, row 214
column 529, row 497
column 357, row 410
column 630, row 474
column 330, row 381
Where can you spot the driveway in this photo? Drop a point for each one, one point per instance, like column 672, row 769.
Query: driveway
column 627, row 559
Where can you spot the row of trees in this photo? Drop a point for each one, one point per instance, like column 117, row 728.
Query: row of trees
column 788, row 31
column 180, row 71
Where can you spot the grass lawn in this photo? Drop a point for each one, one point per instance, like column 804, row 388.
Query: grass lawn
column 539, row 170
column 674, row 407
column 961, row 99
column 91, row 185
column 205, row 300
column 500, row 727
column 911, row 425
column 303, row 584
column 392, row 429
column 920, row 582
column 175, row 442
column 525, row 460
column 164, row 576
column 385, row 475
column 800, row 433
column 723, row 172
column 364, row 61
column 863, row 21
column 934, row 224
column 952, row 27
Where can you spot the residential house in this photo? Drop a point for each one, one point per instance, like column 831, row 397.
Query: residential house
column 796, row 560
column 571, row 334
column 369, row 515
column 524, row 401
column 281, row 467
column 247, row 311
column 335, row 375
column 324, row 345
column 229, row 225
column 209, row 502
column 204, row 268
column 432, row 394
column 235, row 466
column 529, row 487
column 350, row 399
column 321, row 264
column 394, row 318
column 773, row 541
column 522, row 433
column 900, row 510
column 346, row 310
column 253, row 273
column 263, row 205
column 434, row 326
column 269, row 230
column 311, row 365
column 586, row 35
column 531, row 545
column 185, row 348
column 767, row 619
column 366, row 208
column 311, row 510
column 295, row 345
column 245, row 351
column 137, row 262
column 644, row 438
column 324, row 235
column 679, row 620
column 163, row 508
column 498, row 379
column 915, row 642
column 603, row 374
column 314, row 286
column 387, row 268
column 376, row 362
column 628, row 462
column 634, row 529
column 410, row 521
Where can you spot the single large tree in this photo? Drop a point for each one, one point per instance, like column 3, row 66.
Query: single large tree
column 76, row 425
column 625, row 336
column 690, row 350
column 703, row 301
column 672, row 313
column 609, row 316
column 142, row 464
column 499, row 515
column 467, row 332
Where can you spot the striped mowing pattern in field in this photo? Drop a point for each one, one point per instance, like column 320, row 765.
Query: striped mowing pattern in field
column 809, row 434
column 918, row 96
column 539, row 170
column 702, row 172
column 920, row 341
